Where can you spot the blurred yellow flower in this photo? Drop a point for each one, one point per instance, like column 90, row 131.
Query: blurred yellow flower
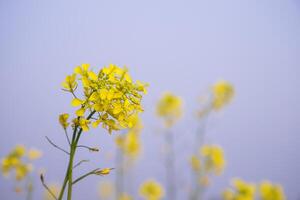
column 269, row 191
column 241, row 191
column 110, row 94
column 151, row 190
column 14, row 162
column 169, row 107
column 223, row 92
column 63, row 120
column 106, row 190
column 130, row 143
column 213, row 158
column 34, row 154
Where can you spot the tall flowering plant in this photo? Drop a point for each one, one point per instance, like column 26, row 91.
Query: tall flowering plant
column 107, row 98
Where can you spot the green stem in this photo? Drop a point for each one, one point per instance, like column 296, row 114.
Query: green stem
column 73, row 148
column 62, row 191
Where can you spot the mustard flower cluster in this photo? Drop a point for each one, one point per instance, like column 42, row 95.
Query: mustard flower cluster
column 18, row 161
column 270, row 191
column 223, row 93
column 130, row 143
column 109, row 98
column 151, row 190
column 248, row 191
column 210, row 159
column 169, row 107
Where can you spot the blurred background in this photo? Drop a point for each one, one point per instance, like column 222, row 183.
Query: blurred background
column 178, row 46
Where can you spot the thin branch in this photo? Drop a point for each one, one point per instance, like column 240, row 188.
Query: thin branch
column 67, row 137
column 85, row 175
column 57, row 146
column 89, row 148
column 46, row 187
column 79, row 163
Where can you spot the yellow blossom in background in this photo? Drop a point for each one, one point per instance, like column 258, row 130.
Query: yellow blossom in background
column 213, row 158
column 106, row 190
column 34, row 154
column 241, row 191
column 111, row 98
column 55, row 189
column 151, row 190
column 125, row 196
column 169, row 107
column 16, row 163
column 130, row 143
column 63, row 120
column 269, row 191
column 223, row 92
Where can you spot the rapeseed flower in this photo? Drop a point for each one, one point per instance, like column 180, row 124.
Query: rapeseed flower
column 169, row 107
column 213, row 158
column 17, row 161
column 269, row 191
column 130, row 143
column 110, row 94
column 151, row 190
column 241, row 191
column 223, row 93
column 63, row 120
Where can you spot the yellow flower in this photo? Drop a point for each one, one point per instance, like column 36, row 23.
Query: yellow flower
column 223, row 92
column 269, row 191
column 169, row 108
column 19, row 151
column 34, row 154
column 125, row 196
column 13, row 162
column 130, row 143
column 106, row 190
column 70, row 83
column 55, row 189
column 104, row 171
column 63, row 120
column 213, row 158
column 241, row 191
column 110, row 95
column 195, row 163
column 151, row 190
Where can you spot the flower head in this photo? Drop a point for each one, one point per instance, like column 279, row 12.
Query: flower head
column 213, row 157
column 151, row 190
column 241, row 190
column 269, row 191
column 223, row 93
column 109, row 94
column 16, row 162
column 63, row 120
column 169, row 108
